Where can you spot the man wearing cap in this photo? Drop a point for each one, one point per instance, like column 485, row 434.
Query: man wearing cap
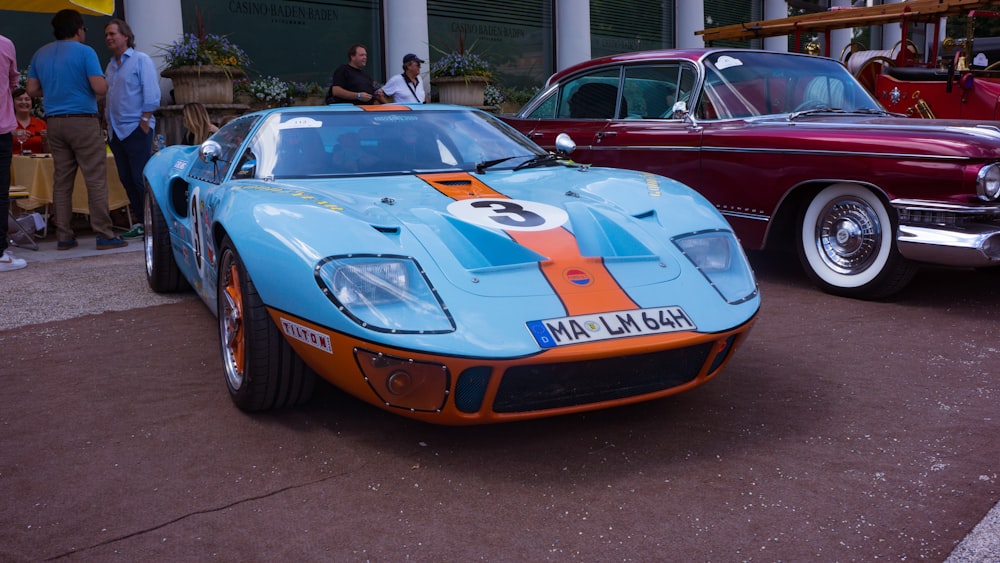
column 406, row 88
column 350, row 84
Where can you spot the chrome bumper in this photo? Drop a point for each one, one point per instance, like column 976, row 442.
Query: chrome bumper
column 947, row 234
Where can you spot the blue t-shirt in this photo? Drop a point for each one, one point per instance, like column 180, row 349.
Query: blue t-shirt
column 63, row 68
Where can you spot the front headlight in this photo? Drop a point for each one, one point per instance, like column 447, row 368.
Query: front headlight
column 988, row 182
column 383, row 293
column 718, row 256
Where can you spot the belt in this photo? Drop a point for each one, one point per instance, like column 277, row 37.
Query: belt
column 71, row 115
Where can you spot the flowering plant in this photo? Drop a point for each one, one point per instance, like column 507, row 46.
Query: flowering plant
column 204, row 49
column 493, row 96
column 460, row 63
column 269, row 90
column 304, row 89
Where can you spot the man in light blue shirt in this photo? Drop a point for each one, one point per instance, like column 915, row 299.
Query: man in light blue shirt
column 133, row 96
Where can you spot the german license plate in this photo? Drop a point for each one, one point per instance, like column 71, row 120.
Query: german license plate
column 550, row 333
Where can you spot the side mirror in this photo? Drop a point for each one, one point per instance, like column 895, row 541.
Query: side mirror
column 680, row 110
column 210, row 151
column 564, row 144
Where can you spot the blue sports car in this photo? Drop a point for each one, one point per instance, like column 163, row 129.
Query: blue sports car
column 436, row 263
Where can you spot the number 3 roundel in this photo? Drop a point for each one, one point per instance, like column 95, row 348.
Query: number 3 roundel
column 509, row 214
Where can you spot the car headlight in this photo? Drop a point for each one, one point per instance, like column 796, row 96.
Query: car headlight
column 383, row 293
column 718, row 256
column 988, row 182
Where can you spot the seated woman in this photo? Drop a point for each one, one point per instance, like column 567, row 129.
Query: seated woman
column 33, row 127
column 199, row 126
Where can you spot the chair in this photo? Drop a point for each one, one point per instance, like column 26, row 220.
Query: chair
column 19, row 192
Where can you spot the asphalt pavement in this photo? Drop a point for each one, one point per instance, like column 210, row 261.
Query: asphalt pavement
column 94, row 282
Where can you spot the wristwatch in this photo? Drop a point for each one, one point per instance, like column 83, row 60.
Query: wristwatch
column 145, row 119
column 359, row 95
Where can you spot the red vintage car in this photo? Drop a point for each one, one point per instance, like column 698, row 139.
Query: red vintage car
column 919, row 76
column 794, row 152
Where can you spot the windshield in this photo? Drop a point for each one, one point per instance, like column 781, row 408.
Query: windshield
column 334, row 143
column 742, row 84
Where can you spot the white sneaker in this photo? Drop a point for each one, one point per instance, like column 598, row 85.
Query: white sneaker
column 8, row 262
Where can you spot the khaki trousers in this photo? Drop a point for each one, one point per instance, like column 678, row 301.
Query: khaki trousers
column 76, row 142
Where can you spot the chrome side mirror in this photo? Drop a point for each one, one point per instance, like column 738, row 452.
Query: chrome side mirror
column 210, row 151
column 680, row 110
column 564, row 144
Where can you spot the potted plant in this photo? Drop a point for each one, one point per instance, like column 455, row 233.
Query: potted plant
column 202, row 66
column 262, row 93
column 514, row 98
column 306, row 93
column 461, row 77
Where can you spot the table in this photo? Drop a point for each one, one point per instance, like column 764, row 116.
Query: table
column 37, row 174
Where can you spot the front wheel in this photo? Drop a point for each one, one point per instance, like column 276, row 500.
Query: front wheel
column 847, row 244
column 262, row 370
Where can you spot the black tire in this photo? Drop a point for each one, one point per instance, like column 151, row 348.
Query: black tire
column 262, row 370
column 162, row 273
column 847, row 244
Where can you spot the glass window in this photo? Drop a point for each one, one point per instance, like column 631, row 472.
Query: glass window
column 514, row 36
column 314, row 36
column 229, row 138
column 620, row 26
column 592, row 96
column 651, row 91
column 720, row 13
column 547, row 108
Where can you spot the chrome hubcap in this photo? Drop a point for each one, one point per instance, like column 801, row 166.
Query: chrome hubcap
column 848, row 235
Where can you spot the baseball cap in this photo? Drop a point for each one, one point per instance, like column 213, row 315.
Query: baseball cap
column 410, row 57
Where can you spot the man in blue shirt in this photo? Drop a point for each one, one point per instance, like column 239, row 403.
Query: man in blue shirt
column 68, row 74
column 133, row 96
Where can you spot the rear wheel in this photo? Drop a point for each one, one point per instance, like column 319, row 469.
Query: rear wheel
column 162, row 273
column 262, row 370
column 847, row 244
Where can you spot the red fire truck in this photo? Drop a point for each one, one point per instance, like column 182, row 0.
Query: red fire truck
column 954, row 78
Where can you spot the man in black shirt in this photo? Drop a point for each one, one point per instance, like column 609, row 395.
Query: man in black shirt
column 350, row 83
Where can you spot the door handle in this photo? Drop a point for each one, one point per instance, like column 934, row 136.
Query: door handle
column 603, row 134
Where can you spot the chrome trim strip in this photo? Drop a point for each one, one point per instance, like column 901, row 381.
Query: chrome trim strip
column 742, row 215
column 941, row 158
column 967, row 248
column 839, row 153
column 939, row 206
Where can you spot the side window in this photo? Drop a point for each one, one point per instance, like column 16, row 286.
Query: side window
column 651, row 91
column 545, row 110
column 593, row 96
column 230, row 138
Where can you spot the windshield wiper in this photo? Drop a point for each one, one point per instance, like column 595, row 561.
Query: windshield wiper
column 871, row 111
column 538, row 160
column 797, row 114
column 482, row 166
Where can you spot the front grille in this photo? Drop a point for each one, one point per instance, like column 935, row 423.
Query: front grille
column 549, row 386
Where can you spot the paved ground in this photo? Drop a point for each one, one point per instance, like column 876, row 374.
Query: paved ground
column 842, row 431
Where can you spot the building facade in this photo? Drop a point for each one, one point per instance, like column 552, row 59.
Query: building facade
column 525, row 41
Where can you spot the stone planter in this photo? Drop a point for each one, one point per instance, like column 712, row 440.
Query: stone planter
column 461, row 90
column 206, row 84
column 510, row 107
column 310, row 101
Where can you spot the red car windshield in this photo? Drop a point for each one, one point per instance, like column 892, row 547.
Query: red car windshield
column 748, row 84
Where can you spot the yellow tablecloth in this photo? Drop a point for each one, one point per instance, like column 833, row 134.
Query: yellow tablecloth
column 37, row 173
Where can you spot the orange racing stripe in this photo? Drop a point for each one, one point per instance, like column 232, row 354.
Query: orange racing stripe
column 602, row 294
column 385, row 107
